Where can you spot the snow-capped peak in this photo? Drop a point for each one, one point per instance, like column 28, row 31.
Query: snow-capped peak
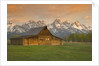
column 31, row 21
column 58, row 20
column 67, row 21
column 79, row 26
column 10, row 26
column 77, row 23
column 89, row 27
column 41, row 22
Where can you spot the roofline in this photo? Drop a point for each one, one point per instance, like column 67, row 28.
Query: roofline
column 58, row 37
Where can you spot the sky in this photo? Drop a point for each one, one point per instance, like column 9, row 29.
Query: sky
column 21, row 13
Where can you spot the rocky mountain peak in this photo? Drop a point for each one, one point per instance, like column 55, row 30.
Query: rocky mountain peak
column 77, row 23
column 67, row 21
column 10, row 24
column 89, row 27
column 31, row 21
column 58, row 20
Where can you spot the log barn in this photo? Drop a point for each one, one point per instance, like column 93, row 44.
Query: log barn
column 37, row 36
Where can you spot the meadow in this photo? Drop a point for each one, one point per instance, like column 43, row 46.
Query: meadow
column 66, row 52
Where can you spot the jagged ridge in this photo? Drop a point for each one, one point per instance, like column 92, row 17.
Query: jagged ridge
column 58, row 27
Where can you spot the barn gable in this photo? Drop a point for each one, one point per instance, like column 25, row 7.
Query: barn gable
column 38, row 31
column 44, row 31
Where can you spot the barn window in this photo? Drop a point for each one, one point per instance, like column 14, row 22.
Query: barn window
column 47, row 38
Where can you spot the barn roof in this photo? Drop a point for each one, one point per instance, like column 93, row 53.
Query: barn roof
column 25, row 36
column 34, row 31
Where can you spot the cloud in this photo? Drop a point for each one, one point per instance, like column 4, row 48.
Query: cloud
column 14, row 9
column 48, row 9
column 70, row 8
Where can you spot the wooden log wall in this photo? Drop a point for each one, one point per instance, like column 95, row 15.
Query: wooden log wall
column 16, row 41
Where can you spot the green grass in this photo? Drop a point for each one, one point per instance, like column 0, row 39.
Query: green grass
column 67, row 52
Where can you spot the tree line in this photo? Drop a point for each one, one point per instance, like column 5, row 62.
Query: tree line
column 79, row 37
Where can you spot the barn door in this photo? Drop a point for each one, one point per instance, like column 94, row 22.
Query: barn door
column 47, row 41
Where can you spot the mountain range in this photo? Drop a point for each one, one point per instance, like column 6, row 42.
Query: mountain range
column 57, row 27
